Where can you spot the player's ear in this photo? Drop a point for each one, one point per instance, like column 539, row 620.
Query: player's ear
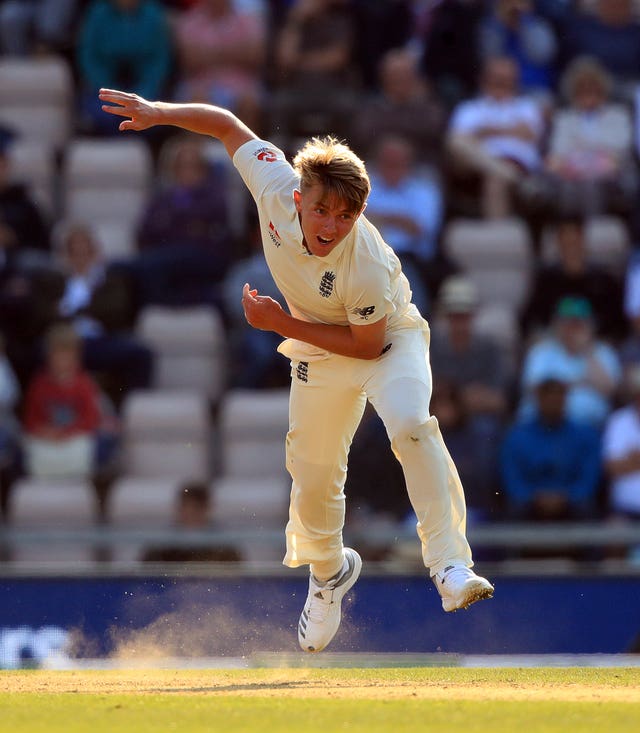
column 297, row 198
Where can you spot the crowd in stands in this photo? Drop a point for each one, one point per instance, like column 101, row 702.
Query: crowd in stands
column 482, row 110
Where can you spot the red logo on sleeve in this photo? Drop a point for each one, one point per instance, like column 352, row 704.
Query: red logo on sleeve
column 266, row 155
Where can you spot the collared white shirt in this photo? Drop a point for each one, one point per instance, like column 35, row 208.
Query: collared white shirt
column 358, row 282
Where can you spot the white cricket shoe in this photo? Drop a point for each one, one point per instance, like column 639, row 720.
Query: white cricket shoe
column 459, row 587
column 320, row 617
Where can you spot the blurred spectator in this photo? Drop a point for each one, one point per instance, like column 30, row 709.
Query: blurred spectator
column 256, row 361
column 98, row 301
column 475, row 458
column 571, row 274
column 315, row 80
column 18, row 212
column 550, row 464
column 621, row 452
column 375, row 482
column 122, row 44
column 472, row 363
column 184, row 236
column 406, row 206
column 36, row 26
column 450, row 57
column 590, row 161
column 9, row 428
column 495, row 137
column 403, row 106
column 382, row 26
column 221, row 50
column 512, row 28
column 62, row 415
column 193, row 516
column 589, row 366
column 610, row 33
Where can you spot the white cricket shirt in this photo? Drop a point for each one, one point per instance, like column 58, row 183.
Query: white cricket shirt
column 358, row 282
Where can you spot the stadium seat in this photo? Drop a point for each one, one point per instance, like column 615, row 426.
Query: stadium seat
column 36, row 98
column 259, row 503
column 190, row 348
column 496, row 255
column 38, row 504
column 607, row 243
column 253, row 427
column 52, row 503
column 166, row 435
column 106, row 184
column 32, row 163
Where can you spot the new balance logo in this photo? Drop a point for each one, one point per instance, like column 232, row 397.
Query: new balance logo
column 386, row 348
column 365, row 312
column 266, row 155
column 326, row 284
column 302, row 371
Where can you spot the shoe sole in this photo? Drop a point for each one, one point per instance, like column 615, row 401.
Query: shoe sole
column 344, row 588
column 476, row 592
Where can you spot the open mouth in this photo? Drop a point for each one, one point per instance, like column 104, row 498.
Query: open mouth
column 322, row 240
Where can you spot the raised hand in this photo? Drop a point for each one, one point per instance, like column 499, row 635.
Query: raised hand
column 142, row 113
column 261, row 311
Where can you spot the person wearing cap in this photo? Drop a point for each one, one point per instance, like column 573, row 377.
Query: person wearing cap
column 550, row 465
column 590, row 366
column 621, row 451
column 473, row 363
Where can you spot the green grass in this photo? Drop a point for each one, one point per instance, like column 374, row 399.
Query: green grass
column 311, row 700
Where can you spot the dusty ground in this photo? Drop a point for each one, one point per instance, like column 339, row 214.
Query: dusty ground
column 516, row 684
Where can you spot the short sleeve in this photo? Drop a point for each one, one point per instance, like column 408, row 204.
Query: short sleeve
column 264, row 168
column 617, row 438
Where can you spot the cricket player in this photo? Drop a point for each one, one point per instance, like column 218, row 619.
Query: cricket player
column 352, row 335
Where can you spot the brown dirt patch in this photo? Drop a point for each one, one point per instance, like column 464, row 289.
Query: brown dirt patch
column 305, row 683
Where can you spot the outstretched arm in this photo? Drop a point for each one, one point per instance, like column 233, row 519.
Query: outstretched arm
column 202, row 118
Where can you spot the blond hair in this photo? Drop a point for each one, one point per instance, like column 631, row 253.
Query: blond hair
column 332, row 164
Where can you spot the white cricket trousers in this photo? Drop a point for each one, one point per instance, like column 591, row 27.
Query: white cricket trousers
column 327, row 401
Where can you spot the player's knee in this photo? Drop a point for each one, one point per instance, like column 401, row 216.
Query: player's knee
column 413, row 430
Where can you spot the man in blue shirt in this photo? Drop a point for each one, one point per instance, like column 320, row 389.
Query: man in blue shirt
column 550, row 465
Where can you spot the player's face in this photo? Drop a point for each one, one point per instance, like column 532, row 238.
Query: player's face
column 325, row 219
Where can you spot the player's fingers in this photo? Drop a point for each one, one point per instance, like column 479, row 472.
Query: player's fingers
column 120, row 111
column 115, row 95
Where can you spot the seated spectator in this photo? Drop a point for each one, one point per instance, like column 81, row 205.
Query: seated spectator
column 375, row 484
column 450, row 54
column 314, row 53
column 590, row 366
column 184, row 237
column 550, row 464
column 406, row 206
column 472, row 363
column 403, row 106
column 99, row 302
column 475, row 458
column 590, row 160
column 621, row 452
column 9, row 428
column 495, row 138
column 513, row 28
column 255, row 358
column 610, row 32
column 122, row 44
column 36, row 26
column 571, row 274
column 221, row 50
column 382, row 26
column 18, row 212
column 62, row 414
column 193, row 515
